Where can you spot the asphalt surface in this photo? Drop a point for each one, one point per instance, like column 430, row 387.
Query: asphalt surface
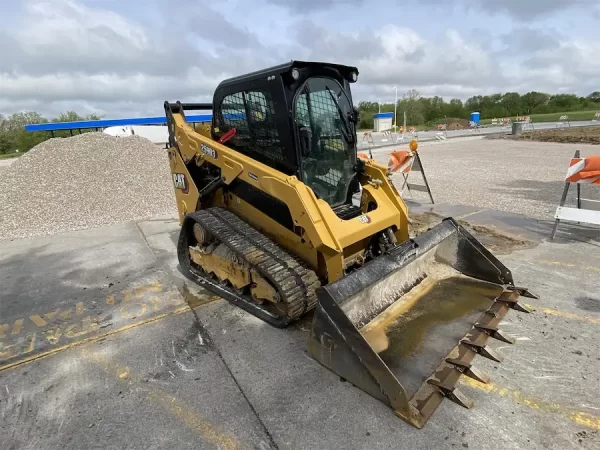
column 127, row 354
column 103, row 344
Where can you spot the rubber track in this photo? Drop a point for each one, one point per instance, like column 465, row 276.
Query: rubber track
column 295, row 283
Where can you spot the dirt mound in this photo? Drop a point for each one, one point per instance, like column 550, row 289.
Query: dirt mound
column 84, row 181
column 453, row 124
column 457, row 124
column 493, row 240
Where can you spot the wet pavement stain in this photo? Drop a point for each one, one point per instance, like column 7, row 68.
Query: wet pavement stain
column 496, row 241
column 588, row 304
column 194, row 300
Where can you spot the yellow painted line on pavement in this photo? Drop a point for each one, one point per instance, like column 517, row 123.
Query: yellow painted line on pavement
column 173, row 405
column 579, row 417
column 566, row 315
column 95, row 338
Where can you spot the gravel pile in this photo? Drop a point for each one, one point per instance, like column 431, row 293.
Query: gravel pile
column 85, row 181
column 523, row 177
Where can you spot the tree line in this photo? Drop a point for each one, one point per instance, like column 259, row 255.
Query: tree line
column 13, row 136
column 431, row 110
column 419, row 110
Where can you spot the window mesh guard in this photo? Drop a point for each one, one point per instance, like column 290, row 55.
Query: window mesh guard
column 325, row 123
column 252, row 114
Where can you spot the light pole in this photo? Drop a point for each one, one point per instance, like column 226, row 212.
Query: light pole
column 379, row 103
column 395, row 106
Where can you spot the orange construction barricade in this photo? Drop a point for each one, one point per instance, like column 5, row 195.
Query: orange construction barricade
column 404, row 162
column 581, row 171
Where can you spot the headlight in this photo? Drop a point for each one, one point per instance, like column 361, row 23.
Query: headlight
column 295, row 74
column 354, row 77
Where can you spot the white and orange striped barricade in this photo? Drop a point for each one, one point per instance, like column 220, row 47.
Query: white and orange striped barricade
column 495, row 121
column 526, row 120
column 399, row 135
column 473, row 126
column 405, row 162
column 367, row 136
column 506, row 123
column 581, row 171
column 596, row 117
column 387, row 135
column 413, row 133
column 562, row 121
column 442, row 132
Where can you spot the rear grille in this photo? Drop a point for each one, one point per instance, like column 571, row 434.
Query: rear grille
column 347, row 212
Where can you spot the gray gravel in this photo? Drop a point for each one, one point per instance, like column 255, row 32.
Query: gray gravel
column 94, row 179
column 85, row 181
column 520, row 177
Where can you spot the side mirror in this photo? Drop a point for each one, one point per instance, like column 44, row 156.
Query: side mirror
column 305, row 140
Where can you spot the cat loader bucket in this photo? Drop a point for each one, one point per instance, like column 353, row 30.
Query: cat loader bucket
column 407, row 325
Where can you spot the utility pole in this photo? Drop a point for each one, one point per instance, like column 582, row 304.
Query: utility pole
column 379, row 103
column 395, row 106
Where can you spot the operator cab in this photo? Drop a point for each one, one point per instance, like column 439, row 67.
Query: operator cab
column 298, row 118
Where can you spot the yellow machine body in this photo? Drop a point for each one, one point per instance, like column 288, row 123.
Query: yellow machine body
column 400, row 318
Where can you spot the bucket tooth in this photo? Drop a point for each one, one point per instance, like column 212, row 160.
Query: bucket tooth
column 452, row 393
column 470, row 371
column 490, row 354
column 522, row 291
column 522, row 308
column 511, row 298
column 477, row 375
column 488, row 323
column 461, row 357
column 495, row 333
column 498, row 309
column 477, row 341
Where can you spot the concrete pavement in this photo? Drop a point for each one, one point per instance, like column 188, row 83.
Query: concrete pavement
column 162, row 364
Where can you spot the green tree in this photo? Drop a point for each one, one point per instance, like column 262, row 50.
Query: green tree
column 511, row 101
column 474, row 103
column 68, row 116
column 14, row 135
column 455, row 109
column 594, row 97
column 564, row 102
column 6, row 143
column 533, row 101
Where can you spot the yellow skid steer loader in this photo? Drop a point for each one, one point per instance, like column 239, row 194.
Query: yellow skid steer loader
column 279, row 216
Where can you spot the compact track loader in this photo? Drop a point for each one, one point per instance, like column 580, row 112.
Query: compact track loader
column 279, row 216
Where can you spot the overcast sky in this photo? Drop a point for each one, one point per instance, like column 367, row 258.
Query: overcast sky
column 124, row 58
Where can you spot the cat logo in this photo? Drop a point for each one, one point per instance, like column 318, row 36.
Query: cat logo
column 180, row 182
column 364, row 219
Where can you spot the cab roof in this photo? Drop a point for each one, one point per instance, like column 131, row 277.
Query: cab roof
column 280, row 69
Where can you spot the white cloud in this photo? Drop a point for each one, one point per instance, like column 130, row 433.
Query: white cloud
column 521, row 10
column 65, row 54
